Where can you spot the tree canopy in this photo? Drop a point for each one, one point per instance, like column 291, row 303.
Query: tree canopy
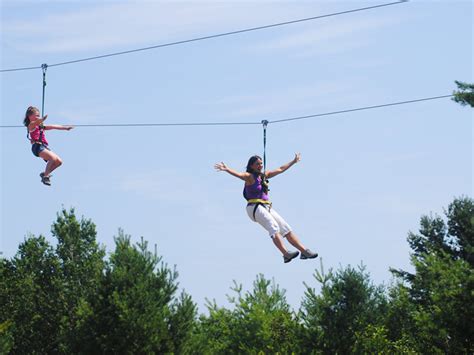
column 72, row 298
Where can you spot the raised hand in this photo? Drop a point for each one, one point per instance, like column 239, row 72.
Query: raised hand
column 297, row 158
column 220, row 166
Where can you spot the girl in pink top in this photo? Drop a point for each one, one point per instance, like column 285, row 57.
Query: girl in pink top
column 39, row 147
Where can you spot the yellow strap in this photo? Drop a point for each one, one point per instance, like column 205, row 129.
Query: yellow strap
column 257, row 200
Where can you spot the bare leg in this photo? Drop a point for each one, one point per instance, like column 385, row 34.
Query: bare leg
column 293, row 240
column 54, row 161
column 278, row 241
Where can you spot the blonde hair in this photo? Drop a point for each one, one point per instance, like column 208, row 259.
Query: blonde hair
column 29, row 111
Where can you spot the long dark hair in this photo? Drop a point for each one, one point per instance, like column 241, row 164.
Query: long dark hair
column 249, row 169
column 30, row 110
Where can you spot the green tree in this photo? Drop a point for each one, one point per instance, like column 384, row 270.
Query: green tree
column 375, row 340
column 216, row 333
column 31, row 298
column 456, row 237
column 182, row 322
column 347, row 304
column 67, row 299
column 460, row 215
column 81, row 266
column 261, row 322
column 440, row 291
column 46, row 288
column 399, row 322
column 6, row 338
column 135, row 310
column 465, row 94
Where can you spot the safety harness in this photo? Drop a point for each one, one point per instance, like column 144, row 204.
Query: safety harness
column 258, row 201
column 40, row 138
column 44, row 68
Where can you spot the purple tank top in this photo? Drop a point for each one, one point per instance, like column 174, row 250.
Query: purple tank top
column 255, row 190
column 37, row 136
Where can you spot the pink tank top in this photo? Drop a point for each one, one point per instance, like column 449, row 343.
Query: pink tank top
column 37, row 135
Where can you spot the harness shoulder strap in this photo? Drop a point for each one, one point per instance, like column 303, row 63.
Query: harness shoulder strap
column 41, row 135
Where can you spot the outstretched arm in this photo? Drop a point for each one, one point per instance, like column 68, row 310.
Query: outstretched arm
column 222, row 167
column 39, row 121
column 283, row 168
column 59, row 127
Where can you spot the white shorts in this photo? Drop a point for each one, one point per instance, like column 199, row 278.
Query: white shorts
column 269, row 219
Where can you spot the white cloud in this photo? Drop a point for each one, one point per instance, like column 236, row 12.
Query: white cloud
column 113, row 25
column 330, row 37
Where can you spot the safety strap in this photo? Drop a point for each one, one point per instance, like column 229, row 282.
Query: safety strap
column 264, row 178
column 258, row 202
column 41, row 135
column 44, row 67
column 265, row 124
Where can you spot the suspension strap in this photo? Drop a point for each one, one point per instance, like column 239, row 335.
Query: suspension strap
column 44, row 67
column 264, row 178
column 265, row 124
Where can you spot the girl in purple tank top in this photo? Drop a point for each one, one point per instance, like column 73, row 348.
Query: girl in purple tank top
column 259, row 208
column 39, row 144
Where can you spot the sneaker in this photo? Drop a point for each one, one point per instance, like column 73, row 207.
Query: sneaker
column 45, row 179
column 308, row 254
column 290, row 256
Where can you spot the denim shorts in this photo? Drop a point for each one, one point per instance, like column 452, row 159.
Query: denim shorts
column 38, row 148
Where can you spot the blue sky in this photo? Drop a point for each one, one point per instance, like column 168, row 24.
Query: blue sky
column 365, row 178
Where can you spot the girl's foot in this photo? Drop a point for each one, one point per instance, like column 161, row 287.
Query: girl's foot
column 290, row 256
column 45, row 179
column 308, row 254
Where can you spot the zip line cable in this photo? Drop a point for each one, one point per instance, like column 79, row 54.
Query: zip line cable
column 264, row 122
column 361, row 108
column 166, row 124
column 207, row 37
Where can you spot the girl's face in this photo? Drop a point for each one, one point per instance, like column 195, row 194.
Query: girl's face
column 257, row 166
column 34, row 116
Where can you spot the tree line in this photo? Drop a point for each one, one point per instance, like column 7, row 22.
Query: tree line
column 71, row 298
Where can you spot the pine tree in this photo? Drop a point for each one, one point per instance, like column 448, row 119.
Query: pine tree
column 465, row 94
column 347, row 304
column 441, row 307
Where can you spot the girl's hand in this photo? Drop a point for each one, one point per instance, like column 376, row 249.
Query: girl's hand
column 297, row 158
column 220, row 166
column 68, row 128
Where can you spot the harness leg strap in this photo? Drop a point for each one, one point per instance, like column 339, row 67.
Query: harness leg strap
column 255, row 210
column 256, row 206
